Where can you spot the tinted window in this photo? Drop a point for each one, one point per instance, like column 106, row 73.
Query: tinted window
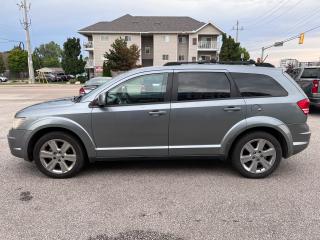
column 202, row 85
column 149, row 88
column 258, row 85
column 311, row 73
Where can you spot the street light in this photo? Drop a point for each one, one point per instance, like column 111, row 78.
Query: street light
column 276, row 44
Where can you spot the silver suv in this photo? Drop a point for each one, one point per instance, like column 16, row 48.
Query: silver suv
column 254, row 116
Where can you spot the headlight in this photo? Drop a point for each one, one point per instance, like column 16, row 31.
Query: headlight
column 17, row 122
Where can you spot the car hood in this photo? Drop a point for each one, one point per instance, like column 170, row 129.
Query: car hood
column 51, row 107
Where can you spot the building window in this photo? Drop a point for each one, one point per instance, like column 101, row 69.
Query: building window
column 182, row 40
column 166, row 38
column 104, row 37
column 127, row 38
column 194, row 59
column 181, row 57
column 147, row 50
column 165, row 57
column 194, row 41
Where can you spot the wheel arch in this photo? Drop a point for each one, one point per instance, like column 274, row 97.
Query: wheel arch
column 266, row 124
column 67, row 126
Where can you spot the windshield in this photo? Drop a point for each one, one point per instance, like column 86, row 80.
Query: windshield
column 97, row 81
column 311, row 73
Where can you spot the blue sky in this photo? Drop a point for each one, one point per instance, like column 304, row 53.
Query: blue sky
column 264, row 21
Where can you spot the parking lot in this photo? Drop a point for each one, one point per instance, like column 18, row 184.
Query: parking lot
column 154, row 200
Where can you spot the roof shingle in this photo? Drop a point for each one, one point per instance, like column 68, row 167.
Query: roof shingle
column 128, row 23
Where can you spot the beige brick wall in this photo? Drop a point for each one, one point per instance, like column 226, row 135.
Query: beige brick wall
column 101, row 46
column 164, row 48
column 193, row 49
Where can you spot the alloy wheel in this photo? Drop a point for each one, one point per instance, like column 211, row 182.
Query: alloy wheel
column 258, row 155
column 57, row 156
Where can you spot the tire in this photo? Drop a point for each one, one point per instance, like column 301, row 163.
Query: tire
column 58, row 155
column 259, row 160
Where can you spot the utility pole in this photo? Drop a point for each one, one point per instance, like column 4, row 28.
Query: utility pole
column 237, row 29
column 26, row 24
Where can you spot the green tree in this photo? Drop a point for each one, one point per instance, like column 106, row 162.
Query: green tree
column 246, row 55
column 48, row 55
column 72, row 62
column 18, row 60
column 121, row 57
column 2, row 66
column 231, row 51
column 106, row 70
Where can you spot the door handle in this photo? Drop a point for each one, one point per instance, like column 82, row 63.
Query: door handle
column 157, row 113
column 232, row 109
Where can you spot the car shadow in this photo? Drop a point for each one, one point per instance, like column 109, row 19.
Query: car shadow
column 160, row 165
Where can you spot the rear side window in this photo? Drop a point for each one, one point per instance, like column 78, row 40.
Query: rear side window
column 258, row 85
column 202, row 86
column 311, row 73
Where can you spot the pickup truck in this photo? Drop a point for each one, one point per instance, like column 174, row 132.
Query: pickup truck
column 308, row 78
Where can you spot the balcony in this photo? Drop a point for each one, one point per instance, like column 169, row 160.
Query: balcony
column 207, row 45
column 89, row 63
column 88, row 45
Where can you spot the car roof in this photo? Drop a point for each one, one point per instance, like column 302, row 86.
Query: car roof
column 226, row 67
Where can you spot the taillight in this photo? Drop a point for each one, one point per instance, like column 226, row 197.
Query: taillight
column 304, row 105
column 81, row 91
column 315, row 86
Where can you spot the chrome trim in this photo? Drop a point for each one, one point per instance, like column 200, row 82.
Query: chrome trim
column 17, row 149
column 299, row 143
column 131, row 148
column 305, row 133
column 195, row 146
column 159, row 147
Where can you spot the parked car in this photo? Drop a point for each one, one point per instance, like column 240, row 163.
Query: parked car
column 48, row 76
column 3, row 79
column 62, row 77
column 92, row 84
column 254, row 116
column 308, row 78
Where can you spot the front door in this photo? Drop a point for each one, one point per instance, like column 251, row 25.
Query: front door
column 204, row 107
column 135, row 120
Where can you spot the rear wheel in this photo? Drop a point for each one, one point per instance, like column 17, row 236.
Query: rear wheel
column 256, row 155
column 58, row 155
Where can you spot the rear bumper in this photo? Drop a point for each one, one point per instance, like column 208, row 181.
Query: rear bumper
column 301, row 137
column 314, row 100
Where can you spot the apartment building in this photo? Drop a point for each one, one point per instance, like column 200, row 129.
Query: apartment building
column 160, row 39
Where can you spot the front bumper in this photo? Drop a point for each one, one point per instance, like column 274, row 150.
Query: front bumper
column 17, row 143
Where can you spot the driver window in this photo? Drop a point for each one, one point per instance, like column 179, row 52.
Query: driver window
column 149, row 88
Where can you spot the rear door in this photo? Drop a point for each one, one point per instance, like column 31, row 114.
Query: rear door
column 205, row 106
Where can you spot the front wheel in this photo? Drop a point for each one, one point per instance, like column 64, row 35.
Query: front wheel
column 256, row 155
column 58, row 155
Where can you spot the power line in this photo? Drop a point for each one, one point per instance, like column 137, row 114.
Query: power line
column 269, row 13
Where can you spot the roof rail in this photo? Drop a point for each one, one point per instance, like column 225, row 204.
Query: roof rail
column 250, row 62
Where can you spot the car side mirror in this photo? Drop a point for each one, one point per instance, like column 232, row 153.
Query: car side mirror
column 102, row 100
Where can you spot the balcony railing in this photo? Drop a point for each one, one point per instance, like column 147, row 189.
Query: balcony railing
column 89, row 63
column 207, row 45
column 88, row 45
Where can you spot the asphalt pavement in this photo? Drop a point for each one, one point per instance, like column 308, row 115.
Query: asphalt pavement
column 154, row 199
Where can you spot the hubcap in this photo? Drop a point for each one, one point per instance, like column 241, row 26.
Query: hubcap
column 57, row 156
column 258, row 155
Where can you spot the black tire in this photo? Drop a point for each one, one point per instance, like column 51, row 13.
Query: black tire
column 77, row 146
column 236, row 152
